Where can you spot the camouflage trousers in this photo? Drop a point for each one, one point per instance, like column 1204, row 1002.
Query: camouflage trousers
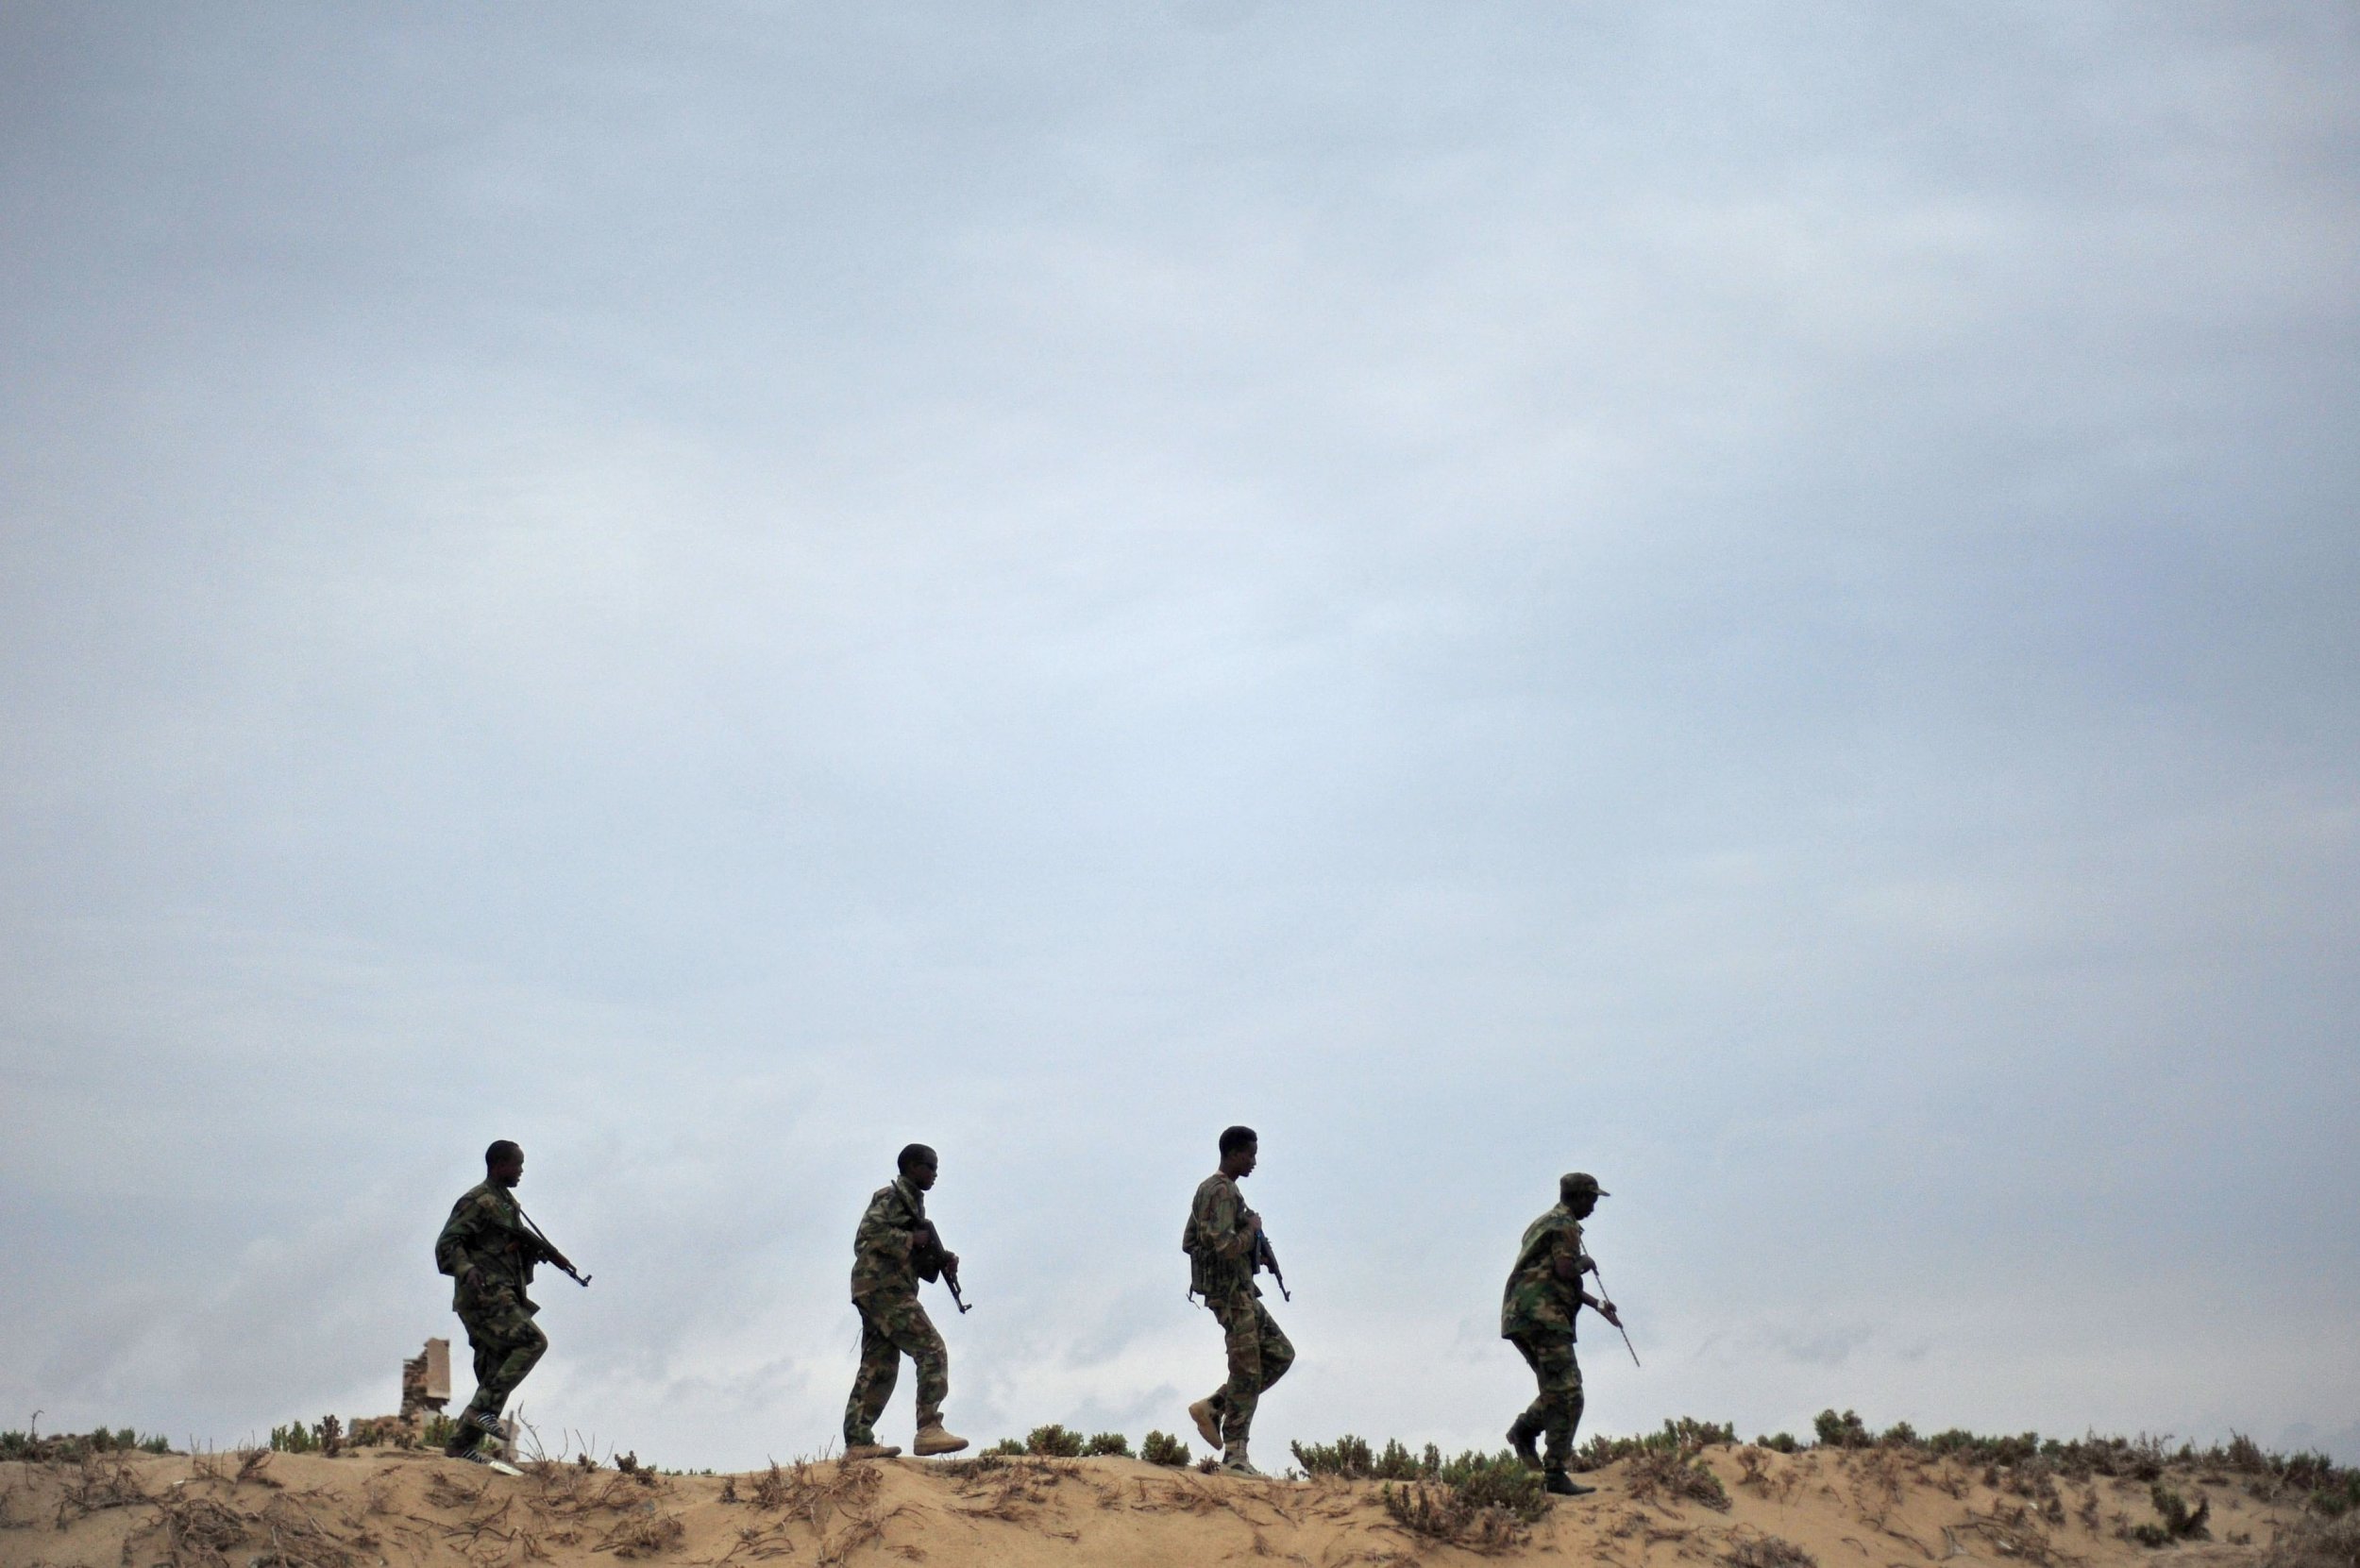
column 1259, row 1356
column 1558, row 1410
column 506, row 1341
column 892, row 1325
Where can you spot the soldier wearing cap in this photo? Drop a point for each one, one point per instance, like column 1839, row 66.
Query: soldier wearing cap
column 1537, row 1317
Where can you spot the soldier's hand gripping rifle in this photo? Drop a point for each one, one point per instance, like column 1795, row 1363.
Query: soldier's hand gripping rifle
column 937, row 1261
column 564, row 1265
column 1266, row 1259
column 1606, row 1309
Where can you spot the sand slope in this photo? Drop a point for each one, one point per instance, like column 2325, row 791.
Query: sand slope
column 385, row 1510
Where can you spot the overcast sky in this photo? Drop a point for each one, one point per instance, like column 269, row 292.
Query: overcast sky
column 1759, row 600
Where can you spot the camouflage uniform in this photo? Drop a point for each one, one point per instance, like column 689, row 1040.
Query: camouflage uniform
column 1537, row 1317
column 486, row 1232
column 892, row 1323
column 1219, row 1239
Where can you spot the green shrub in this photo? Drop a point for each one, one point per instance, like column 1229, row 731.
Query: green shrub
column 1113, row 1444
column 1008, row 1448
column 1347, row 1458
column 1483, row 1502
column 1840, row 1431
column 1779, row 1442
column 2338, row 1500
column 2176, row 1521
column 1677, row 1475
column 1163, row 1448
column 1054, row 1441
column 1682, row 1435
column 32, row 1447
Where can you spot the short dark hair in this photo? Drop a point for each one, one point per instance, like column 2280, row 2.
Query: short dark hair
column 501, row 1149
column 1236, row 1137
column 915, row 1153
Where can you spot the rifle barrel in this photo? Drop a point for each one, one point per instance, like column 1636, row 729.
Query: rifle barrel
column 565, row 1268
column 1610, row 1295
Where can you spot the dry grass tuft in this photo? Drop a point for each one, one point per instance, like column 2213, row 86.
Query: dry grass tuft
column 842, row 1496
column 99, row 1483
column 2317, row 1543
column 1766, row 1551
column 1437, row 1512
column 1011, row 1491
column 1667, row 1478
column 1778, row 1486
column 198, row 1531
column 2013, row 1531
column 642, row 1534
column 299, row 1538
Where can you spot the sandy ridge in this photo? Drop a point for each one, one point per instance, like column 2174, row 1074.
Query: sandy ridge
column 391, row 1509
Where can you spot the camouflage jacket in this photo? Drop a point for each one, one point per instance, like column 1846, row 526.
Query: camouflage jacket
column 1219, row 1239
column 882, row 1258
column 487, row 1232
column 1538, row 1299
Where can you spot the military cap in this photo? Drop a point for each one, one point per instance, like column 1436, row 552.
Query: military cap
column 1581, row 1181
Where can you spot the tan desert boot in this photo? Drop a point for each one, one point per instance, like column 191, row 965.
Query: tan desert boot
column 1207, row 1427
column 934, row 1440
column 872, row 1451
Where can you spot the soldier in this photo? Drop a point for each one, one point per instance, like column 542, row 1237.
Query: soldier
column 489, row 1252
column 1537, row 1314
column 894, row 1244
column 1224, row 1242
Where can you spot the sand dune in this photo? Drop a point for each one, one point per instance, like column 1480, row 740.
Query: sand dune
column 1867, row 1508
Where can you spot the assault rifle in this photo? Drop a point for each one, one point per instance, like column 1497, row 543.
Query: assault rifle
column 1266, row 1259
column 1617, row 1319
column 555, row 1256
column 933, row 1262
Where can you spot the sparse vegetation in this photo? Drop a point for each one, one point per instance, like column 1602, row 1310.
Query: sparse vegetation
column 2025, row 1458
column 1163, row 1448
column 1484, row 1503
column 1998, row 1499
column 1779, row 1442
column 324, row 1435
column 32, row 1448
column 1054, row 1441
column 1675, row 1476
column 2317, row 1543
column 1766, row 1551
column 1841, row 1431
column 1681, row 1435
column 2335, row 1500
column 1347, row 1458
column 1350, row 1459
column 2175, row 1520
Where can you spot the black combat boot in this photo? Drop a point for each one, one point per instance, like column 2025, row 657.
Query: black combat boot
column 1520, row 1438
column 1563, row 1485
